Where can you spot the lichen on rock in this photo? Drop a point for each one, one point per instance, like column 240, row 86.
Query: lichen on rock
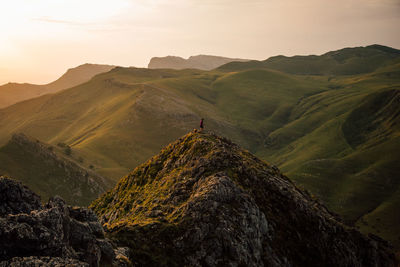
column 204, row 201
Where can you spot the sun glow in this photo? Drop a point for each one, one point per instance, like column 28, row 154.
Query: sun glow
column 87, row 10
column 40, row 39
column 29, row 27
column 24, row 15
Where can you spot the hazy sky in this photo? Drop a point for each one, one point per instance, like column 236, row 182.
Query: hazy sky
column 40, row 39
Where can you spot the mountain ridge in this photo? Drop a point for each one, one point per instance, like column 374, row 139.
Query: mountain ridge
column 202, row 62
column 12, row 93
column 211, row 202
column 346, row 61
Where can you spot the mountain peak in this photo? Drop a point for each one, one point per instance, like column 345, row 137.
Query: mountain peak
column 79, row 74
column 192, row 157
column 204, row 201
column 12, row 93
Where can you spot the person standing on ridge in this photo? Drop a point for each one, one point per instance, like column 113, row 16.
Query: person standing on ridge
column 201, row 124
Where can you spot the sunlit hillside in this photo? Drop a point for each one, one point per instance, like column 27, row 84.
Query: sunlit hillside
column 335, row 135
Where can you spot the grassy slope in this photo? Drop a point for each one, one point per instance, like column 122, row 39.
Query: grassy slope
column 111, row 119
column 121, row 118
column 115, row 118
column 48, row 171
column 354, row 171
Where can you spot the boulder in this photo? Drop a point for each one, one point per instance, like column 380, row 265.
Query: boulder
column 54, row 234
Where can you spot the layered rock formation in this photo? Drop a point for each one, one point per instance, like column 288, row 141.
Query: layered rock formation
column 55, row 234
column 203, row 201
column 201, row 62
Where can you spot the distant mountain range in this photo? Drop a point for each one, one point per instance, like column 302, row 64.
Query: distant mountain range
column 330, row 122
column 201, row 62
column 12, row 93
column 347, row 61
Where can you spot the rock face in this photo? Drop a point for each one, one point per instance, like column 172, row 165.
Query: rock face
column 201, row 62
column 34, row 261
column 16, row 198
column 51, row 235
column 203, row 201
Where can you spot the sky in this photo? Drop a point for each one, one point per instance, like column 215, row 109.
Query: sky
column 41, row 39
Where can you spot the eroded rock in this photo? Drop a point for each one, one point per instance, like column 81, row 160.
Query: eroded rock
column 203, row 201
column 16, row 198
column 51, row 235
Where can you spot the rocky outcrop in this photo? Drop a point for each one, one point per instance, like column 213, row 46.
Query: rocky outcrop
column 34, row 261
column 203, row 201
column 16, row 198
column 201, row 62
column 51, row 235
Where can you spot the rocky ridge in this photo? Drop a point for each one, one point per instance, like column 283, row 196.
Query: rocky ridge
column 204, row 201
column 54, row 234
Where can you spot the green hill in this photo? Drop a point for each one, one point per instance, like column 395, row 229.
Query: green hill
column 335, row 135
column 343, row 146
column 347, row 61
column 12, row 93
column 107, row 118
column 50, row 170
